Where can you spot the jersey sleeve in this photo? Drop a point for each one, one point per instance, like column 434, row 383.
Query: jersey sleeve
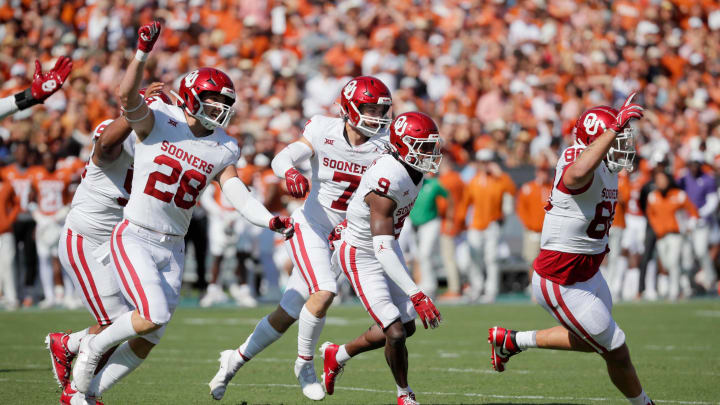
column 312, row 131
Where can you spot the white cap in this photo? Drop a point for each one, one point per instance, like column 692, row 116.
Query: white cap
column 484, row 155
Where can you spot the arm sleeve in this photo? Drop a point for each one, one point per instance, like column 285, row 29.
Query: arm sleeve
column 8, row 106
column 247, row 205
column 388, row 253
column 289, row 157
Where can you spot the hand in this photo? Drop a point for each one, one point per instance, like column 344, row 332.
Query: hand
column 284, row 225
column 44, row 85
column 627, row 112
column 336, row 233
column 296, row 183
column 426, row 310
column 147, row 35
column 155, row 89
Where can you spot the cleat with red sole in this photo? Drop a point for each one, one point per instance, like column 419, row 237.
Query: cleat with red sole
column 408, row 399
column 502, row 346
column 60, row 356
column 331, row 368
column 70, row 396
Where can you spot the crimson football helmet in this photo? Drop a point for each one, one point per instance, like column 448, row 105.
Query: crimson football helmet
column 361, row 91
column 211, row 114
column 593, row 122
column 414, row 136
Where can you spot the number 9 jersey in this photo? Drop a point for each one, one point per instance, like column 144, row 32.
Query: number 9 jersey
column 579, row 220
column 172, row 168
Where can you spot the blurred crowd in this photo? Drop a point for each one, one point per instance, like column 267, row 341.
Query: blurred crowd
column 505, row 80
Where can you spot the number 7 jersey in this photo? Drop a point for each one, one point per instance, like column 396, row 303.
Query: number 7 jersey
column 172, row 168
column 579, row 220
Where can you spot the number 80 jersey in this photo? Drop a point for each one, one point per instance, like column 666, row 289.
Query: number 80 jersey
column 172, row 168
column 337, row 167
column 579, row 220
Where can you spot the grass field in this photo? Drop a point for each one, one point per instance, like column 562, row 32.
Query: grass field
column 675, row 348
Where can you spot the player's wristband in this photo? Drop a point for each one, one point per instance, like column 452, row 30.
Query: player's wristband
column 141, row 56
column 137, row 120
column 24, row 99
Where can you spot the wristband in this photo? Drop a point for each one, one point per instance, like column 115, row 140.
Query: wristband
column 141, row 56
column 139, row 119
column 24, row 99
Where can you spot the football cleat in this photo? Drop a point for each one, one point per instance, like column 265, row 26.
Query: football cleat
column 331, row 368
column 60, row 357
column 85, row 365
column 305, row 373
column 408, row 399
column 219, row 383
column 502, row 346
column 70, row 396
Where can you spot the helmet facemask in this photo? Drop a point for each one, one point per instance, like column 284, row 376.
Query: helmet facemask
column 424, row 154
column 372, row 124
column 212, row 113
column 621, row 154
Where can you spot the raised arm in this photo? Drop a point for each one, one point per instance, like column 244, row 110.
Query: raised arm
column 136, row 112
column 249, row 207
column 580, row 172
column 388, row 253
column 42, row 87
column 283, row 165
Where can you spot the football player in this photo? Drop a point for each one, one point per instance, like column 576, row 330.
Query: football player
column 340, row 150
column 42, row 87
column 370, row 256
column 179, row 151
column 574, row 242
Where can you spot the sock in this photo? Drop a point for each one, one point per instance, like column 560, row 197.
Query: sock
column 641, row 399
column 309, row 329
column 73, row 344
column 263, row 336
column 402, row 391
column 122, row 362
column 525, row 340
column 342, row 355
column 120, row 330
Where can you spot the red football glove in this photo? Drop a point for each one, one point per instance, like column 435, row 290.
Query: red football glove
column 426, row 310
column 147, row 35
column 44, row 85
column 627, row 112
column 284, row 225
column 296, row 183
column 336, row 233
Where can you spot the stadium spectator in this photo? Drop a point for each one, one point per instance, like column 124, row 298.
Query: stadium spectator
column 451, row 181
column 9, row 210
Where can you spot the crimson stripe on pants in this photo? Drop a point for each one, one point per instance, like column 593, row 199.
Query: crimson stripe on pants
column 83, row 263
column 358, row 287
column 578, row 326
column 119, row 268
column 133, row 273
column 74, row 266
column 299, row 266
column 305, row 257
column 546, row 295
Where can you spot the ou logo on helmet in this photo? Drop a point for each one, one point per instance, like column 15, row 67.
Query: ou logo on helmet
column 191, row 77
column 400, row 125
column 592, row 123
column 350, row 89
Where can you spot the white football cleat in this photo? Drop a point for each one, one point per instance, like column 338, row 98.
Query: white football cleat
column 213, row 295
column 219, row 383
column 85, row 364
column 243, row 296
column 305, row 373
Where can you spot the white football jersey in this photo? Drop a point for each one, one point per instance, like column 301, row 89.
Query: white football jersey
column 172, row 168
column 388, row 177
column 337, row 168
column 103, row 191
column 578, row 221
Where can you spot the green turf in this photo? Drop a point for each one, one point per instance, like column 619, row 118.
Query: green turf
column 675, row 348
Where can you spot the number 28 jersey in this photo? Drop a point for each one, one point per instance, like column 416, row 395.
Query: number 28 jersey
column 337, row 167
column 388, row 177
column 172, row 168
column 579, row 220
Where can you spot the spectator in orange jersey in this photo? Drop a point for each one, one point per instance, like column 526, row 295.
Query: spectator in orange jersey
column 452, row 182
column 667, row 207
column 9, row 210
column 51, row 200
column 530, row 208
column 485, row 193
column 616, row 263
